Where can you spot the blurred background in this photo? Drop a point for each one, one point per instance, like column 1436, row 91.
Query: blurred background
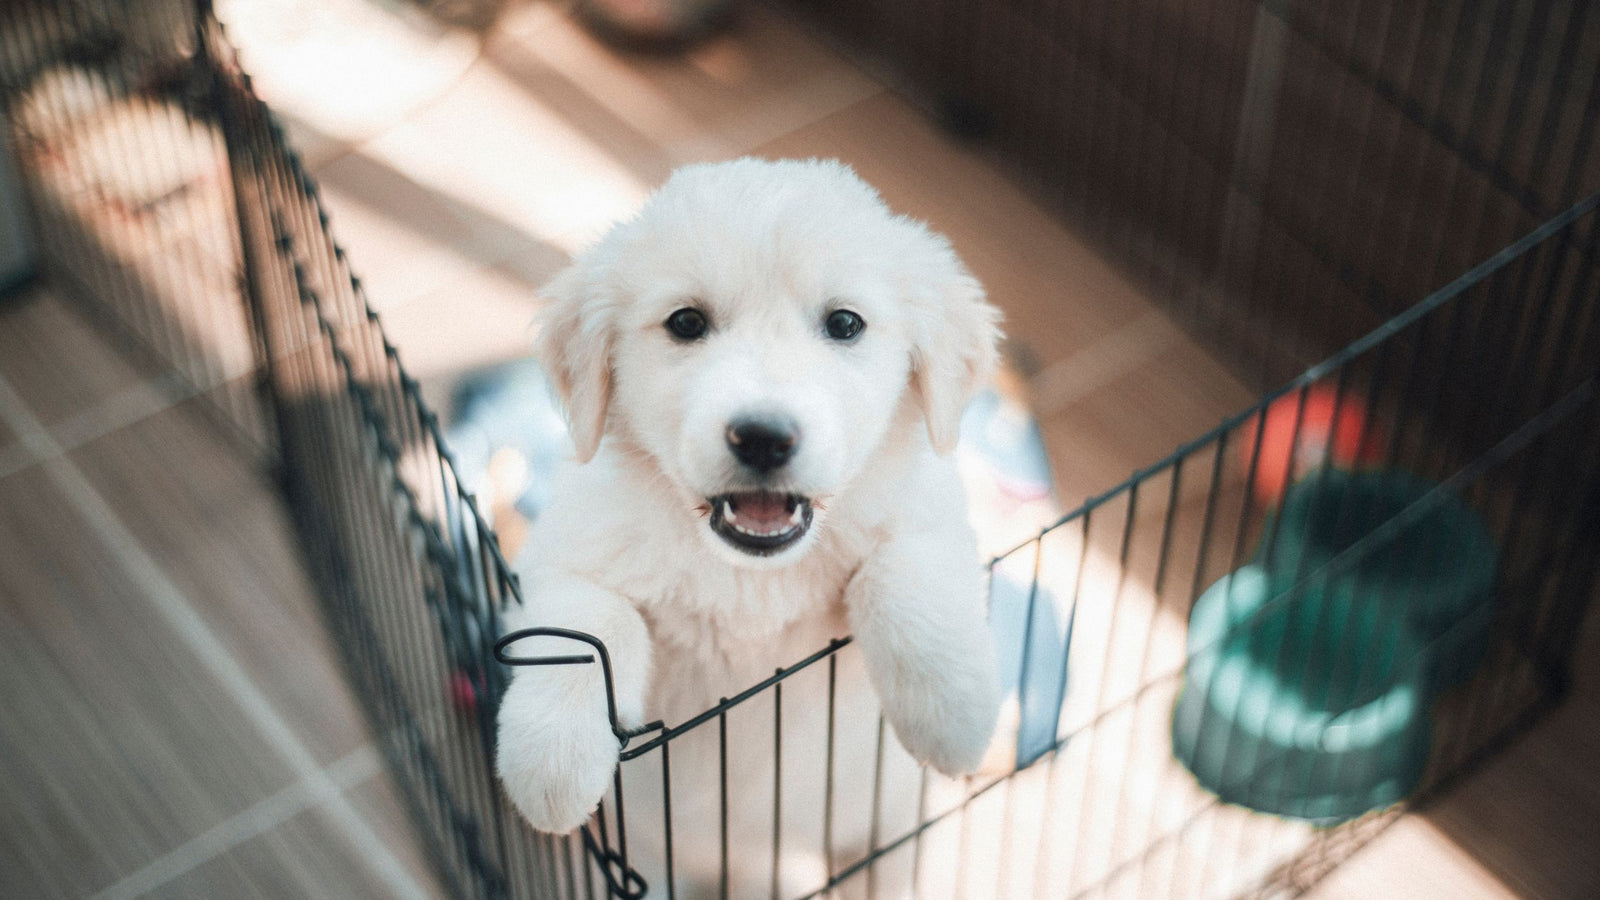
column 1179, row 206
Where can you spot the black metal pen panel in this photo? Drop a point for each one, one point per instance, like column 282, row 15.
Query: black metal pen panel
column 1284, row 175
column 1428, row 240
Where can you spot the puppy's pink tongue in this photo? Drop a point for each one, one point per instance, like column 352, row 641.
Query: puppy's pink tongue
column 763, row 512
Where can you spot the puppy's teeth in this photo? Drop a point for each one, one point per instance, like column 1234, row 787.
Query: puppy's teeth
column 727, row 512
column 794, row 517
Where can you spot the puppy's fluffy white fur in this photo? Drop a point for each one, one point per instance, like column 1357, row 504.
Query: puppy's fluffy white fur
column 625, row 552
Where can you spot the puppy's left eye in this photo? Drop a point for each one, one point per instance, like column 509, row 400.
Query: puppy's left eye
column 843, row 325
column 688, row 324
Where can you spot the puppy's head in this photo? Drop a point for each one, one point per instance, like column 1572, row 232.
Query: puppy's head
column 754, row 331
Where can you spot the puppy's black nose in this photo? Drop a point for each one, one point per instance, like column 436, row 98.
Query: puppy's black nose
column 762, row 444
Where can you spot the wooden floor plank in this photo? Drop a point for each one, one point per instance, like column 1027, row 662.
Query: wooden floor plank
column 307, row 857
column 57, row 361
column 115, row 752
column 120, row 745
column 214, row 524
column 1522, row 827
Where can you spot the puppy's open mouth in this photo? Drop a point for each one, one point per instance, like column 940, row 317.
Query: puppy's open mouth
column 760, row 523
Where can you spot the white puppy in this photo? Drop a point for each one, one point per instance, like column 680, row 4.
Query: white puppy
column 764, row 371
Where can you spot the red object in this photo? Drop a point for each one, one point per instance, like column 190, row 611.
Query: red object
column 1288, row 453
column 462, row 692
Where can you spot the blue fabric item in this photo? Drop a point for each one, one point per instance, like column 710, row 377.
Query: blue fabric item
column 509, row 406
column 1039, row 681
column 1009, row 442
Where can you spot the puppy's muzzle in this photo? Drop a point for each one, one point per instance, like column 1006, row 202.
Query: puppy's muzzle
column 761, row 521
column 763, row 445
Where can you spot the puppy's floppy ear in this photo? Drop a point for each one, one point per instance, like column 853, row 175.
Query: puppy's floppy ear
column 574, row 343
column 953, row 344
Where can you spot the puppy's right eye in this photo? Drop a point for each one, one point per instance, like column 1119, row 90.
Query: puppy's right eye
column 688, row 324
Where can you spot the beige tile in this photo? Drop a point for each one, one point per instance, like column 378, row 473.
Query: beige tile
column 1138, row 417
column 484, row 319
column 210, row 520
column 378, row 801
column 746, row 85
column 492, row 146
column 56, row 359
column 1521, row 827
column 398, row 242
column 13, row 454
column 344, row 70
column 523, row 18
column 1529, row 816
column 406, row 239
column 1065, row 382
column 315, row 148
column 556, row 136
column 138, row 399
column 1058, row 295
column 115, row 751
column 72, row 372
column 235, row 405
column 310, row 855
column 1411, row 859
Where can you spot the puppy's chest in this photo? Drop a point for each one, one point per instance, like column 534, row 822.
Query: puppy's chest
column 714, row 636
column 738, row 607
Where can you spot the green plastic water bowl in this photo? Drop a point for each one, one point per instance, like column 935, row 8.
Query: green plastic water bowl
column 1407, row 544
column 1308, row 704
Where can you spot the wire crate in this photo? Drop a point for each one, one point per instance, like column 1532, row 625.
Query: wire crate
column 1207, row 725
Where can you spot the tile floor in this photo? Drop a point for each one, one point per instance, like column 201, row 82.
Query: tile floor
column 175, row 724
column 174, row 719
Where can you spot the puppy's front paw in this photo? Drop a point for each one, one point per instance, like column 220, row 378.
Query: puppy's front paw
column 946, row 717
column 555, row 759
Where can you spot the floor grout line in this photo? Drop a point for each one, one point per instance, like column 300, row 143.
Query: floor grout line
column 351, row 770
column 179, row 612
column 110, row 414
column 1126, row 349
